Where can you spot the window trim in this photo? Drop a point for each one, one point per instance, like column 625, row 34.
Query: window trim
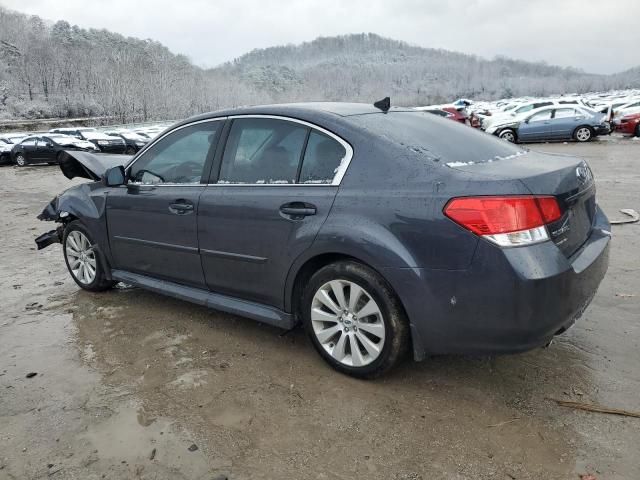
column 337, row 178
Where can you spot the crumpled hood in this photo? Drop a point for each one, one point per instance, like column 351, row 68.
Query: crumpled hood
column 89, row 165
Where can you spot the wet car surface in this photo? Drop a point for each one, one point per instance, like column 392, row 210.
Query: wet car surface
column 130, row 375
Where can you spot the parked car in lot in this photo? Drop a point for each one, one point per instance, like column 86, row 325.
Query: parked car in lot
column 47, row 148
column 133, row 141
column 105, row 143
column 628, row 124
column 5, row 151
column 379, row 232
column 518, row 110
column 548, row 124
column 73, row 131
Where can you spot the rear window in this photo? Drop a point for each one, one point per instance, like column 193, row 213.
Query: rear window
column 439, row 139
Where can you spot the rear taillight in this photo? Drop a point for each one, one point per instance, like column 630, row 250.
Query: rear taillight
column 507, row 221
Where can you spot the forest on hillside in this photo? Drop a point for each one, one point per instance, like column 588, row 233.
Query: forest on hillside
column 58, row 70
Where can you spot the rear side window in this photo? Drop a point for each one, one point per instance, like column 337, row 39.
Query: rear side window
column 322, row 158
column 565, row 113
column 263, row 151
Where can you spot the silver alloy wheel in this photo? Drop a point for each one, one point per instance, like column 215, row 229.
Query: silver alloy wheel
column 81, row 257
column 20, row 161
column 348, row 323
column 583, row 134
column 508, row 136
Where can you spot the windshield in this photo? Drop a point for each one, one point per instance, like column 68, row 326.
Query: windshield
column 437, row 138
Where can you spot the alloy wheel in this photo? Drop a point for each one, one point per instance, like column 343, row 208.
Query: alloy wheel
column 20, row 160
column 81, row 257
column 508, row 136
column 583, row 134
column 348, row 323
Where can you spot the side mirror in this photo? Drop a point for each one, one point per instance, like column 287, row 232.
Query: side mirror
column 115, row 176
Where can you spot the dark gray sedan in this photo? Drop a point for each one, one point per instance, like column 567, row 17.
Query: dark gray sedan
column 381, row 231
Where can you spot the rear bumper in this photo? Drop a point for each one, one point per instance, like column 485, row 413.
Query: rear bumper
column 509, row 300
column 604, row 129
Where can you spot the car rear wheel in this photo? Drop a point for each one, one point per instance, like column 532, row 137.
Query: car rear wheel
column 508, row 135
column 638, row 130
column 82, row 259
column 354, row 319
column 20, row 160
column 130, row 151
column 583, row 134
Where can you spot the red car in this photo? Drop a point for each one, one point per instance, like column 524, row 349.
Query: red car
column 629, row 124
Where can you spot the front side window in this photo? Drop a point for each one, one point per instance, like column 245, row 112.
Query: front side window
column 30, row 142
column 322, row 158
column 177, row 158
column 540, row 116
column 262, row 151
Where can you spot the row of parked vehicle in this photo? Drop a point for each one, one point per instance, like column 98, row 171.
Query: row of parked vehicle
column 47, row 147
column 579, row 118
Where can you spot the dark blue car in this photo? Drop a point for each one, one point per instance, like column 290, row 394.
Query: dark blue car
column 381, row 231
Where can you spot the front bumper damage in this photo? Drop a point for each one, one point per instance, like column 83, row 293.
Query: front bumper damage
column 49, row 238
column 51, row 214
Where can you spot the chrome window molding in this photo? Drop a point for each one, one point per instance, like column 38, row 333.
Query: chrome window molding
column 337, row 178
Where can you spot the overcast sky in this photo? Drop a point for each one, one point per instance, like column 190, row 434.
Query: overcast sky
column 597, row 36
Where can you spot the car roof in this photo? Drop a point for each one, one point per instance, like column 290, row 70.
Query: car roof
column 340, row 109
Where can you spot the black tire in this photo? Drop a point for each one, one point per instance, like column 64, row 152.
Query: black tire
column 130, row 150
column 509, row 135
column 20, row 160
column 638, row 131
column 397, row 336
column 100, row 281
column 580, row 134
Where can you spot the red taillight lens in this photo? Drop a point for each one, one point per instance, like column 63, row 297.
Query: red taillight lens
column 493, row 215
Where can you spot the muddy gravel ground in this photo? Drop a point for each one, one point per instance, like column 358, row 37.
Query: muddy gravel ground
column 131, row 384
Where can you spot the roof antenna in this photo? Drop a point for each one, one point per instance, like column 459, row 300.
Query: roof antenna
column 384, row 104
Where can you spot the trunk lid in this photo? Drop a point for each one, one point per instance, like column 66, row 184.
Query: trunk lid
column 567, row 178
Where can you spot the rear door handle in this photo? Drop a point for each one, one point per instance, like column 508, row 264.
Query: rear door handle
column 298, row 209
column 181, row 207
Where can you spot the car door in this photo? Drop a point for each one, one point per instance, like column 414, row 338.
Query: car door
column 536, row 127
column 28, row 148
column 152, row 221
column 46, row 150
column 565, row 121
column 276, row 185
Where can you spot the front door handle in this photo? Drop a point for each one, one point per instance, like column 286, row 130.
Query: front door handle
column 181, row 207
column 298, row 209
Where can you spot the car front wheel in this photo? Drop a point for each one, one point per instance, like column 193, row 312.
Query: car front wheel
column 82, row 259
column 508, row 135
column 638, row 130
column 354, row 319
